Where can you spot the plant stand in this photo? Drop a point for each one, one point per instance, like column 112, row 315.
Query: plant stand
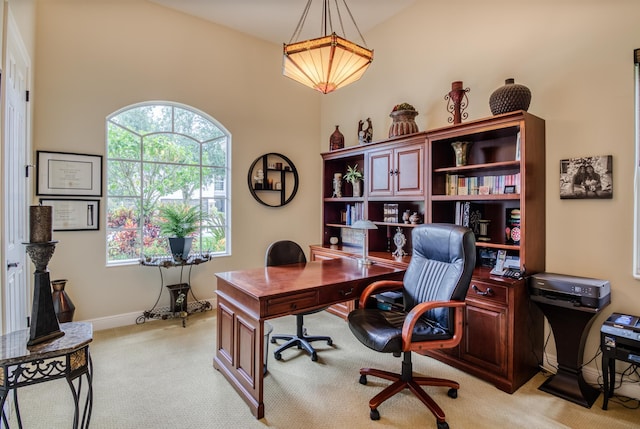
column 178, row 305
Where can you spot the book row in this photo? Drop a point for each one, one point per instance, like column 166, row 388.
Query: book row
column 457, row 184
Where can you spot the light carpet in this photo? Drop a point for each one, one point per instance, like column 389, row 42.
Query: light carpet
column 160, row 375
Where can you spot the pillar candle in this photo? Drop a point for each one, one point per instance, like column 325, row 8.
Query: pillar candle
column 40, row 224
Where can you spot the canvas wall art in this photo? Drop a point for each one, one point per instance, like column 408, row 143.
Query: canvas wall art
column 586, row 177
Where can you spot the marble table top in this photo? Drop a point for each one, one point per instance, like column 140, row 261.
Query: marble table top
column 15, row 350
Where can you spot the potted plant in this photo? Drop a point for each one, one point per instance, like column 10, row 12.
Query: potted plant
column 354, row 176
column 178, row 222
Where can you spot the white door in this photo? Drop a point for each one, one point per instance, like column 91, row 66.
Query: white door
column 16, row 291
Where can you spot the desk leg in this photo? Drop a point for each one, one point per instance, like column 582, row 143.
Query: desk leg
column 239, row 351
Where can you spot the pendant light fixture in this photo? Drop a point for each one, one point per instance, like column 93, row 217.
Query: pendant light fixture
column 328, row 62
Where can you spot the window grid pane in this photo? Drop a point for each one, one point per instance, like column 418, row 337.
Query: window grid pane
column 153, row 160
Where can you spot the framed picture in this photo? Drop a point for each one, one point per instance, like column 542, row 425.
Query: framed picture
column 74, row 215
column 510, row 189
column 586, row 177
column 72, row 174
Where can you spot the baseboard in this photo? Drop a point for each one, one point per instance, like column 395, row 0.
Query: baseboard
column 125, row 319
column 593, row 376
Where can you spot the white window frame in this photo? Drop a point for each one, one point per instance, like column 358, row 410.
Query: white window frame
column 227, row 185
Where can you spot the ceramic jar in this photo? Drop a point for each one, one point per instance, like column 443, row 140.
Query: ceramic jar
column 336, row 140
column 509, row 98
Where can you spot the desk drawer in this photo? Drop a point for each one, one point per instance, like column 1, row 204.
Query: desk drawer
column 292, row 303
column 487, row 292
column 340, row 293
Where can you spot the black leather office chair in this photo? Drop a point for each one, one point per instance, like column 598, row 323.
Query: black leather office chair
column 434, row 289
column 288, row 252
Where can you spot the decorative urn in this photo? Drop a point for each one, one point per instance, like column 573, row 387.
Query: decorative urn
column 403, row 116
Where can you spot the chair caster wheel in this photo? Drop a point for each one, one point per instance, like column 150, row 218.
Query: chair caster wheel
column 363, row 379
column 273, row 341
column 453, row 393
column 278, row 356
column 443, row 425
column 375, row 415
column 329, row 342
column 314, row 356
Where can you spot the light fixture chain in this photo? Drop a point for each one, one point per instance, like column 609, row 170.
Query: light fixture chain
column 303, row 19
column 354, row 23
column 339, row 19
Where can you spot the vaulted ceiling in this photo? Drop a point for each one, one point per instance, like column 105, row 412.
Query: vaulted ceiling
column 276, row 20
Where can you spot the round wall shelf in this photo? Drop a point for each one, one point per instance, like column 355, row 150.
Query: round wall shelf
column 273, row 180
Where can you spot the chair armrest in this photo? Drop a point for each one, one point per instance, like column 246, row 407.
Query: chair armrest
column 418, row 311
column 378, row 287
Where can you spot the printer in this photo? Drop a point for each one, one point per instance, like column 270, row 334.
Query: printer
column 577, row 291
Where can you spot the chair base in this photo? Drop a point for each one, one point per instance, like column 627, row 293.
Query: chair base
column 300, row 340
column 406, row 380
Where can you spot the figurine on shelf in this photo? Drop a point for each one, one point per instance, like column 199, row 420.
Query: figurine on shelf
column 399, row 240
column 259, row 179
column 414, row 218
column 406, row 215
column 365, row 135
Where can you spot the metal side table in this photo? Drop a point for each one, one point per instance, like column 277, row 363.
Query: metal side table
column 64, row 357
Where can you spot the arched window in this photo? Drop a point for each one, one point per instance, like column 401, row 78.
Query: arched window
column 160, row 154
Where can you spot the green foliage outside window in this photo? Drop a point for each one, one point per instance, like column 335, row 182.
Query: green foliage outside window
column 157, row 155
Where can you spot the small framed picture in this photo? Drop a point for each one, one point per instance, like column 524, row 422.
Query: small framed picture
column 74, row 215
column 68, row 174
column 510, row 189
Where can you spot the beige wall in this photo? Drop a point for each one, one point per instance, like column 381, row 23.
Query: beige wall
column 99, row 56
column 575, row 56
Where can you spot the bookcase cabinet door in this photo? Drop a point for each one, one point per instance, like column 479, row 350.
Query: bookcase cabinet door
column 397, row 172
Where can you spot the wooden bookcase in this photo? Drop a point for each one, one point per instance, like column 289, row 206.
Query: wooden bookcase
column 503, row 335
column 502, row 342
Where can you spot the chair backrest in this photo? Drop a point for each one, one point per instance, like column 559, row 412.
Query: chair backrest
column 284, row 252
column 443, row 259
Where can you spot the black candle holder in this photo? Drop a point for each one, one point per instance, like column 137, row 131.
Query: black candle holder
column 44, row 322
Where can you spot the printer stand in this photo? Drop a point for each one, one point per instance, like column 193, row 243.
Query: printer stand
column 570, row 325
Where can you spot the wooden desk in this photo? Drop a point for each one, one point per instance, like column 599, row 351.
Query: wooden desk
column 64, row 357
column 249, row 297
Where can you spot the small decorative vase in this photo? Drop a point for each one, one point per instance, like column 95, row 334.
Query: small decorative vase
column 509, row 98
column 336, row 140
column 357, row 188
column 461, row 149
column 406, row 216
column 483, row 230
column 403, row 122
column 337, row 185
column 62, row 304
